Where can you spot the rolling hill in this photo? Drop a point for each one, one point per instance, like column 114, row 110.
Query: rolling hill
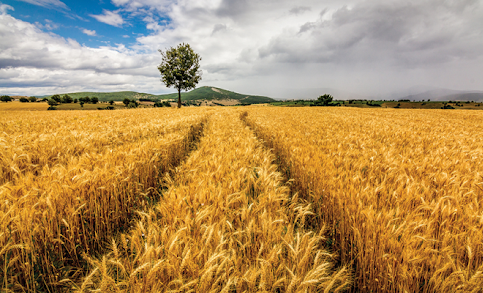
column 205, row 93
column 115, row 96
column 439, row 94
column 212, row 93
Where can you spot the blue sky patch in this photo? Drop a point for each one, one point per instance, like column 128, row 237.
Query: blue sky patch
column 78, row 20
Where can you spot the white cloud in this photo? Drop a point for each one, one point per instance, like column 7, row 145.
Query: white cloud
column 4, row 8
column 49, row 25
column 48, row 3
column 39, row 62
column 266, row 47
column 89, row 32
column 109, row 17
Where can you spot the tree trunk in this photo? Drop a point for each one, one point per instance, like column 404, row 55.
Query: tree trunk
column 179, row 97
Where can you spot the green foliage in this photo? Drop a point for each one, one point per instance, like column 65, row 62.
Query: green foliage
column 85, row 100
column 133, row 104
column 5, row 99
column 324, row 100
column 111, row 102
column 199, row 94
column 52, row 102
column 33, row 99
column 115, row 96
column 130, row 103
column 67, row 99
column 94, row 100
column 24, row 100
column 180, row 68
column 75, row 101
column 55, row 98
column 211, row 93
column 447, row 106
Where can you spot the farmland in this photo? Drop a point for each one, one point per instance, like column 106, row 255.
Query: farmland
column 400, row 190
column 278, row 199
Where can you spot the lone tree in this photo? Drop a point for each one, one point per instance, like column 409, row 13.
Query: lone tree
column 5, row 98
column 325, row 99
column 180, row 67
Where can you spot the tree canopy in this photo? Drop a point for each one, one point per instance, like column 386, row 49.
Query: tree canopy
column 180, row 67
column 5, row 98
column 325, row 99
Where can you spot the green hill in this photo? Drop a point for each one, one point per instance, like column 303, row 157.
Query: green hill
column 212, row 93
column 203, row 93
column 115, row 96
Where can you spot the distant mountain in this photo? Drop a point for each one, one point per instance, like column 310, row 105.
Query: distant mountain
column 439, row 94
column 212, row 93
column 475, row 97
column 314, row 93
column 115, row 96
column 203, row 93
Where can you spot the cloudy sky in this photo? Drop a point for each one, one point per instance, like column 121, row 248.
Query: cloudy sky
column 277, row 48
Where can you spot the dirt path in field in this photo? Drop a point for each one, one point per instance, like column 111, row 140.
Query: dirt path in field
column 225, row 223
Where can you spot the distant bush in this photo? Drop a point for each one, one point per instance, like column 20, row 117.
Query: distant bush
column 24, row 100
column 67, row 99
column 5, row 99
column 56, row 98
column 85, row 100
column 52, row 103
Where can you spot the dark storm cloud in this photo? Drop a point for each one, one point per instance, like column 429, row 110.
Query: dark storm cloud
column 233, row 8
column 403, row 33
column 218, row 27
column 299, row 10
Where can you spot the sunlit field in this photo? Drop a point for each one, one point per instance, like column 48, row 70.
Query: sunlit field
column 71, row 180
column 401, row 190
column 18, row 106
column 241, row 199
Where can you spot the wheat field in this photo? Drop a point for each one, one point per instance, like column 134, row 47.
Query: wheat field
column 69, row 180
column 242, row 199
column 400, row 190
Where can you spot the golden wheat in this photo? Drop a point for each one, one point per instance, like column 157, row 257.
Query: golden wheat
column 69, row 180
column 401, row 190
column 225, row 224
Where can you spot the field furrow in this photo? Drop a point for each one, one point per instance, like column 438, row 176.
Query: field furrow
column 70, row 180
column 225, row 224
column 401, row 191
